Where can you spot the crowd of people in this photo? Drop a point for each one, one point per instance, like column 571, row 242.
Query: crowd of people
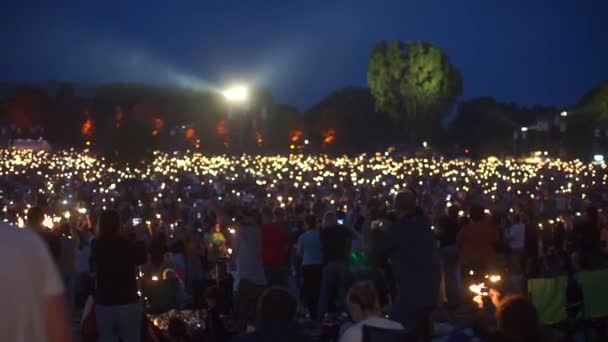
column 290, row 247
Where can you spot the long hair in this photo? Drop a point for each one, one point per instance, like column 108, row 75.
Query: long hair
column 109, row 224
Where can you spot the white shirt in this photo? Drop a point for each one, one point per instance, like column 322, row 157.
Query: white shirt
column 516, row 235
column 355, row 332
column 30, row 276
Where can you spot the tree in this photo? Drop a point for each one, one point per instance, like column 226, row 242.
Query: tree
column 595, row 104
column 350, row 112
column 414, row 83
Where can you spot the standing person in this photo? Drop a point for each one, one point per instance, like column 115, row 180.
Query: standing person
column 410, row 244
column 515, row 235
column 336, row 241
column 477, row 241
column 250, row 269
column 82, row 277
column 35, row 218
column 66, row 262
column 216, row 244
column 275, row 245
column 448, row 228
column 309, row 247
column 33, row 302
column 589, row 240
column 116, row 258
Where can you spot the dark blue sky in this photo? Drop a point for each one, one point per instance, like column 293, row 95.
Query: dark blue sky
column 528, row 51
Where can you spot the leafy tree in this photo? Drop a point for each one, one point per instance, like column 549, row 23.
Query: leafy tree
column 414, row 83
column 595, row 104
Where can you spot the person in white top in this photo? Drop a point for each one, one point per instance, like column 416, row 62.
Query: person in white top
column 32, row 295
column 515, row 236
column 364, row 308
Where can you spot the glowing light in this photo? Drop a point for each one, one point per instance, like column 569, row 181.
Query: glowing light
column 154, row 278
column 563, row 114
column 524, row 129
column 237, row 93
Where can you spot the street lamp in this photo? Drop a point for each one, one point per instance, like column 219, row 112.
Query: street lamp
column 237, row 93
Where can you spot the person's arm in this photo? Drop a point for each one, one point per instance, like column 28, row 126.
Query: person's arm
column 58, row 328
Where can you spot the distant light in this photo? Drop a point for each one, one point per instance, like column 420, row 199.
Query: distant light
column 598, row 158
column 524, row 129
column 306, row 142
column 545, row 153
column 563, row 114
column 154, row 278
column 425, row 144
column 88, row 143
column 238, row 93
column 466, row 151
column 82, row 210
column 292, row 147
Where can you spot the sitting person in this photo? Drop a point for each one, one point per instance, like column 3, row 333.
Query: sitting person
column 170, row 275
column 276, row 312
column 364, row 307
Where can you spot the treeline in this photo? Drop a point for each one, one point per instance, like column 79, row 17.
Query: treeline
column 128, row 119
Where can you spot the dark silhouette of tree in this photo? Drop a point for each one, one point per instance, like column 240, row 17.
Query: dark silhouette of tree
column 350, row 112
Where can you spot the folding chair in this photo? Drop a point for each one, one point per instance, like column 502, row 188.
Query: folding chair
column 549, row 297
column 595, row 297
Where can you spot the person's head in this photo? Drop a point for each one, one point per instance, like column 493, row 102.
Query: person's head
column 362, row 300
column 217, row 228
column 330, row 219
column 592, row 215
column 276, row 304
column 109, row 223
column 477, row 213
column 311, row 222
column 404, row 203
column 517, row 319
column 35, row 217
column 453, row 211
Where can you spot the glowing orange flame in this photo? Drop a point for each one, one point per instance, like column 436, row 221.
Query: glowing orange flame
column 118, row 117
column 190, row 134
column 158, row 124
column 296, row 135
column 329, row 136
column 87, row 127
column 222, row 127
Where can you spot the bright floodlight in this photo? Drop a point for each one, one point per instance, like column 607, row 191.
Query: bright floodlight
column 237, row 93
column 564, row 114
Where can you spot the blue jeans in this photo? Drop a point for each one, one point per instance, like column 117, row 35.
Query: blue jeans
column 334, row 284
column 120, row 321
column 451, row 273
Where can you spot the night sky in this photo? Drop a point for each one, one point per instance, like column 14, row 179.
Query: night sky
column 527, row 51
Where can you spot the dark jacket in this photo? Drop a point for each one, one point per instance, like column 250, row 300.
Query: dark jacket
column 115, row 261
column 410, row 244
